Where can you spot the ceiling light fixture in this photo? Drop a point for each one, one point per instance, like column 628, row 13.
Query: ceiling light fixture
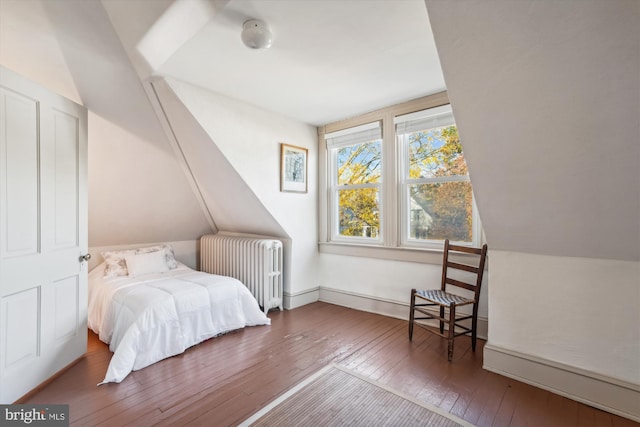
column 256, row 34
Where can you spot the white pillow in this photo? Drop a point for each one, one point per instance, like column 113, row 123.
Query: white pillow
column 117, row 266
column 152, row 262
column 168, row 253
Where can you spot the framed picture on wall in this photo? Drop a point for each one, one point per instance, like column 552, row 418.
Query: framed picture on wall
column 293, row 168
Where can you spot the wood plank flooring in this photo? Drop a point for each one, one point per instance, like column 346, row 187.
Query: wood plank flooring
column 226, row 379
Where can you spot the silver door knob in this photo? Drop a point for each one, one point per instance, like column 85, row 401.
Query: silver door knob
column 85, row 257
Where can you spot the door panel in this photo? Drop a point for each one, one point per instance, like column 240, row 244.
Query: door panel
column 43, row 219
column 19, row 148
column 65, row 180
column 21, row 312
column 65, row 313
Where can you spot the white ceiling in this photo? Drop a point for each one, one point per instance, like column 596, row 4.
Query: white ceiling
column 330, row 59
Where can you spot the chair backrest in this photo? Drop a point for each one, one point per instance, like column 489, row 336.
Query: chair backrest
column 477, row 268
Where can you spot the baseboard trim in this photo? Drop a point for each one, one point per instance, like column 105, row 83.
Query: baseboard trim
column 609, row 394
column 298, row 299
column 386, row 307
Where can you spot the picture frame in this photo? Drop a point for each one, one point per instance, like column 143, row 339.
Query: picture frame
column 293, row 168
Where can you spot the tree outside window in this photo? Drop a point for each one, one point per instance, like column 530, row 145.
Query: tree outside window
column 439, row 188
column 428, row 184
column 358, row 179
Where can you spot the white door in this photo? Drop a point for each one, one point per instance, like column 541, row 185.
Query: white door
column 43, row 234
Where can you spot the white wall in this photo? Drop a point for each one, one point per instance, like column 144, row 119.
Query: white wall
column 137, row 191
column 577, row 311
column 390, row 280
column 29, row 47
column 249, row 138
column 547, row 101
column 546, row 98
column 383, row 280
column 552, row 88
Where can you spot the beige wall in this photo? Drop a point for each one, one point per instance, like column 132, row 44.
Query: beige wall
column 137, row 191
column 233, row 150
column 546, row 96
column 572, row 320
column 561, row 200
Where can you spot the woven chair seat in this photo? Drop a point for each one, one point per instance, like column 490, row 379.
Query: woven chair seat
column 438, row 301
column 443, row 298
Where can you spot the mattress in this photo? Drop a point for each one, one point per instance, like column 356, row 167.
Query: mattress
column 151, row 317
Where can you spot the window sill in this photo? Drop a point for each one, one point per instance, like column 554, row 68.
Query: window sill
column 424, row 256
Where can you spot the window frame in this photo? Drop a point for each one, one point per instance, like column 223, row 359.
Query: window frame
column 334, row 189
column 404, row 184
column 391, row 245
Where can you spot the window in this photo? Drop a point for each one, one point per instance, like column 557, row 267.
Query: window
column 355, row 182
column 437, row 201
column 396, row 178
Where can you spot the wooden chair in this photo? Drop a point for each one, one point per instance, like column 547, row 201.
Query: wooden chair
column 447, row 301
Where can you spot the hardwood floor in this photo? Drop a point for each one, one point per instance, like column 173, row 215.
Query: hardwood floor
column 226, row 379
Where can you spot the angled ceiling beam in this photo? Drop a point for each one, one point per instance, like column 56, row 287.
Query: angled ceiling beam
column 176, row 26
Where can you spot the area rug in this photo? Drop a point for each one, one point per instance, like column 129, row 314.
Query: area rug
column 335, row 396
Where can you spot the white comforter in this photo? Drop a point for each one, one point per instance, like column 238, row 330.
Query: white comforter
column 155, row 316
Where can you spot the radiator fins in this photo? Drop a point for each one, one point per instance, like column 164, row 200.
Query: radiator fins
column 256, row 262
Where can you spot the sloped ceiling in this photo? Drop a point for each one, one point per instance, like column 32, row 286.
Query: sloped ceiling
column 546, row 93
column 71, row 47
column 546, row 96
column 232, row 203
column 329, row 60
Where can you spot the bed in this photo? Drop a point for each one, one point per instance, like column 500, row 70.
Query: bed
column 147, row 307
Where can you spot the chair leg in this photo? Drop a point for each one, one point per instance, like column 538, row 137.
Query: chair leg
column 411, row 313
column 452, row 327
column 441, row 322
column 474, row 327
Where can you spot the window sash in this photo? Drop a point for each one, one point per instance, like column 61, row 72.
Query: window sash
column 406, row 125
column 437, row 179
column 405, row 221
column 394, row 206
column 335, row 141
column 424, row 120
column 356, row 186
column 335, row 226
column 354, row 136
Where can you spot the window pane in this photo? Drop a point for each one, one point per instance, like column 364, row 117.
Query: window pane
column 359, row 212
column 360, row 163
column 441, row 211
column 435, row 152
